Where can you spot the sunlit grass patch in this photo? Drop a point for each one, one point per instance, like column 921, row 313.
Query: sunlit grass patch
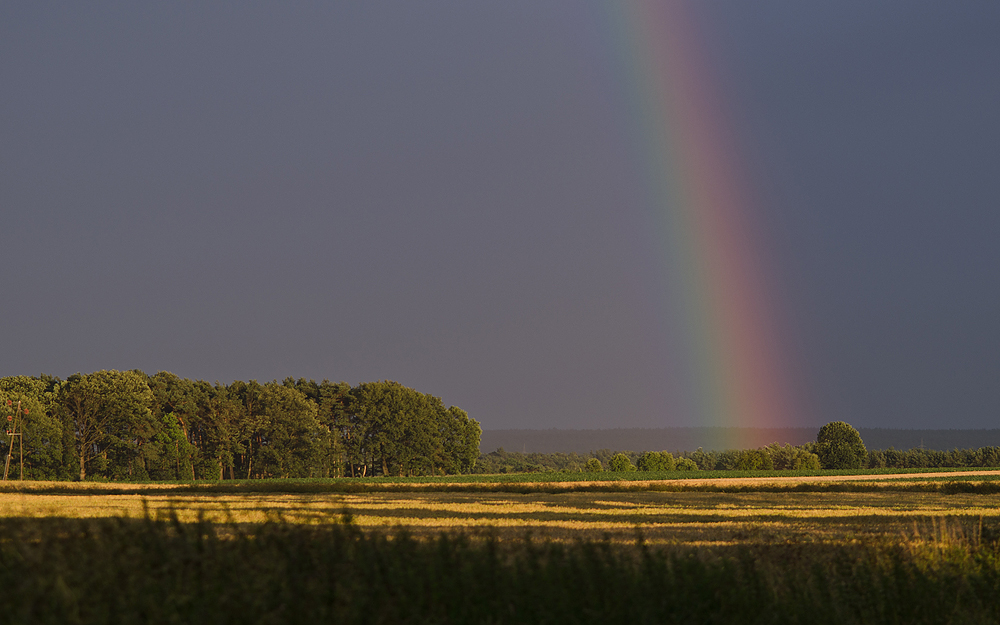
column 927, row 480
column 698, row 518
column 695, row 517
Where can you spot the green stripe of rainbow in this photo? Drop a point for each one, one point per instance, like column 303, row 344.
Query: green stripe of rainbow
column 734, row 370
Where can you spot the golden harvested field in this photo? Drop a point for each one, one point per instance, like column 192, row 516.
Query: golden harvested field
column 686, row 517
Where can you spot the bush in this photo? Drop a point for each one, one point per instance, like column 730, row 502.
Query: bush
column 839, row 446
column 621, row 463
column 686, row 464
column 706, row 461
column 754, row 460
column 795, row 458
column 656, row 461
column 806, row 460
column 593, row 466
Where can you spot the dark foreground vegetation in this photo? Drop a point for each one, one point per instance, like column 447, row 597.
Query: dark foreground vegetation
column 163, row 571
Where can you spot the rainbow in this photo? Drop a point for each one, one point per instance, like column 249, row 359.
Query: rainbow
column 728, row 365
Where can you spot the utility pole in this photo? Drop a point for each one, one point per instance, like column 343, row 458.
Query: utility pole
column 15, row 428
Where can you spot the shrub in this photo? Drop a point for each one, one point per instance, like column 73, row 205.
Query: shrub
column 839, row 446
column 789, row 457
column 656, row 461
column 754, row 460
column 726, row 460
column 806, row 460
column 705, row 460
column 686, row 464
column 621, row 463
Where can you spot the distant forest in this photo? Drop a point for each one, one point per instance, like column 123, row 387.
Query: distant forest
column 127, row 425
column 767, row 458
column 716, row 449
column 680, row 439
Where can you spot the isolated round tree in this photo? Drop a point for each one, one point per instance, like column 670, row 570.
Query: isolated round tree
column 839, row 446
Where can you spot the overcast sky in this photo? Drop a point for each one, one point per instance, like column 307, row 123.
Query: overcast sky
column 444, row 194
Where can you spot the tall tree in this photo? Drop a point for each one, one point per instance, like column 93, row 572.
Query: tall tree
column 171, row 452
column 40, row 430
column 290, row 443
column 461, row 441
column 216, row 431
column 331, row 400
column 381, row 410
column 107, row 411
column 839, row 446
column 249, row 424
column 399, row 430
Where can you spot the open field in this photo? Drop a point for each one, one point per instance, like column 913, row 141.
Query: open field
column 689, row 517
column 702, row 511
column 667, row 480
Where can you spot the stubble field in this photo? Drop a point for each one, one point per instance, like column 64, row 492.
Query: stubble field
column 684, row 517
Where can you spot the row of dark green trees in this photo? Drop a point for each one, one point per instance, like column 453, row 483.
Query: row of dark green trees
column 772, row 457
column 838, row 446
column 127, row 425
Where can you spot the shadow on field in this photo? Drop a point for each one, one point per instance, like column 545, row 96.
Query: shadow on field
column 57, row 570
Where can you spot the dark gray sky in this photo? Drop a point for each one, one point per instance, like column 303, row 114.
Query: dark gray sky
column 444, row 194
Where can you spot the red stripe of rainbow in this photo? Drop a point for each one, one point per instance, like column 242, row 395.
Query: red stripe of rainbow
column 734, row 369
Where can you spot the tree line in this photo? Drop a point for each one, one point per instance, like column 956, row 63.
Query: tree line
column 838, row 446
column 127, row 425
column 771, row 457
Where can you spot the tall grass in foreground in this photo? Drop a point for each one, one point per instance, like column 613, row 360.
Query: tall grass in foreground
column 163, row 571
